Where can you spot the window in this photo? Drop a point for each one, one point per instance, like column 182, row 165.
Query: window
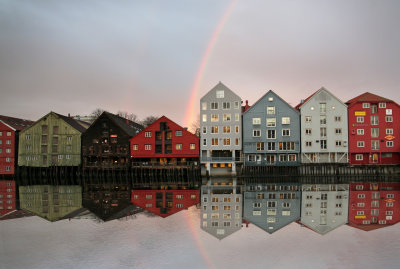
column 214, row 106
column 375, row 203
column 204, row 142
column 338, row 130
column 236, row 141
column 389, row 204
column 271, row 146
column 220, row 94
column 322, row 120
column 204, row 129
column 308, row 119
column 214, row 117
column 8, row 150
column 214, row 141
column 389, row 131
column 214, row 208
column 28, row 137
column 147, row 147
column 382, row 105
column 390, row 195
column 374, row 212
column 271, row 204
column 236, row 105
column 360, row 213
column 271, row 110
column 256, row 205
column 308, row 131
column 285, row 132
column 375, row 144
column 28, row 147
column 389, row 144
column 227, row 117
column 271, row 159
column 192, row 146
column 135, row 147
column 227, row 141
column 260, row 146
column 374, row 120
column 149, row 196
column 338, row 118
column 8, row 142
column 359, row 157
column 67, row 156
column 323, row 144
column 256, row 121
column 338, row 143
column 214, row 129
column 360, row 131
column 226, row 105
column 237, row 117
column 360, row 119
column 227, row 129
column 147, row 134
column 374, row 109
column 308, row 144
column 389, row 118
column 360, row 144
column 365, row 105
column 256, row 133
column 204, row 118
column 322, row 107
column 361, row 196
column 271, row 134
column 270, row 99
column 271, row 212
column 204, row 106
column 323, row 132
column 178, row 133
column 285, row 205
column 285, row 120
column 271, row 122
column 178, row 146
column 286, row 145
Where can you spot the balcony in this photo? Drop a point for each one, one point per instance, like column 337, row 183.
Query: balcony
column 221, row 159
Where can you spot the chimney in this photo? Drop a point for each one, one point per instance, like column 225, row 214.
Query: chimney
column 302, row 101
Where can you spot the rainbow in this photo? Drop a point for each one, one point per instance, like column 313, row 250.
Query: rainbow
column 190, row 110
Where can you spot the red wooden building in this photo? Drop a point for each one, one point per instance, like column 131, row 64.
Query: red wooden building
column 165, row 202
column 374, row 205
column 374, row 128
column 164, row 143
column 9, row 136
column 8, row 200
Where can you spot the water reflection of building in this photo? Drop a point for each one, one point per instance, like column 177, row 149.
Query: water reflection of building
column 50, row 202
column 7, row 197
column 374, row 205
column 166, row 201
column 324, row 206
column 108, row 201
column 271, row 206
column 221, row 209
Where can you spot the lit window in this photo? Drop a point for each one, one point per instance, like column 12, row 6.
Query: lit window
column 271, row 110
column 147, row 134
column 214, row 141
column 227, row 117
column 220, row 94
column 147, row 147
column 227, row 129
column 204, row 118
column 375, row 144
column 192, row 146
column 227, row 141
column 203, row 106
column 256, row 121
column 271, row 122
column 178, row 146
column 135, row 147
column 285, row 120
column 214, row 117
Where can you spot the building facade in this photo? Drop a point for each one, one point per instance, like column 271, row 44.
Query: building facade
column 164, row 203
column 105, row 144
column 374, row 126
column 272, row 206
column 50, row 202
column 164, row 143
column 374, row 205
column 271, row 132
column 53, row 140
column 221, row 209
column 9, row 137
column 220, row 130
column 324, row 207
column 324, row 127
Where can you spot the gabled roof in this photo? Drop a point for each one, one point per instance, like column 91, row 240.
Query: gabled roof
column 270, row 91
column 369, row 227
column 129, row 127
column 368, row 97
column 315, row 93
column 220, row 86
column 74, row 123
column 164, row 118
column 16, row 123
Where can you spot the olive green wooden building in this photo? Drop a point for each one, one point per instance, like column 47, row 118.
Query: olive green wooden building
column 53, row 140
column 51, row 202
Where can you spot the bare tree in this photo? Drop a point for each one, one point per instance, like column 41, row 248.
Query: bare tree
column 97, row 112
column 148, row 120
column 195, row 127
column 128, row 116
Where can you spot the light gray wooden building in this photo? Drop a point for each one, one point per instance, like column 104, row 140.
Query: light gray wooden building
column 324, row 207
column 221, row 134
column 272, row 206
column 271, row 132
column 324, row 135
column 221, row 209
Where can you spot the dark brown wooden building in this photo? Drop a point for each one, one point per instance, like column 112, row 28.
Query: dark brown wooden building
column 105, row 144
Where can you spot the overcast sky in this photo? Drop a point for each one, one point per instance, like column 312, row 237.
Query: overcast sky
column 143, row 56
